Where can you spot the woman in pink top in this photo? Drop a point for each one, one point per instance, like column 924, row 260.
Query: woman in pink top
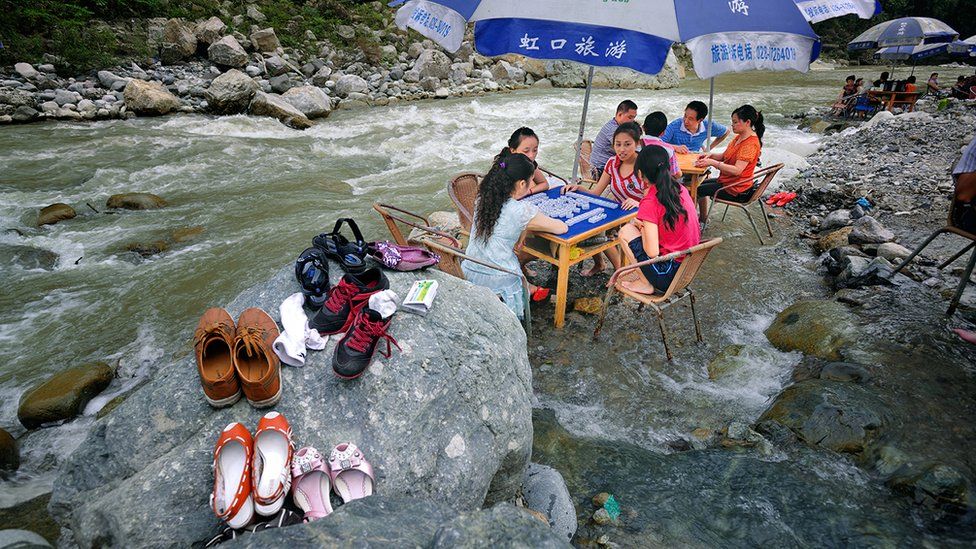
column 666, row 222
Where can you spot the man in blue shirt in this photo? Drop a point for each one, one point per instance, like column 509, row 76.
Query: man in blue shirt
column 688, row 134
column 603, row 144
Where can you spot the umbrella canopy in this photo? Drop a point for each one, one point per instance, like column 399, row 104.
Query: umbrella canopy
column 820, row 10
column 906, row 31
column 972, row 45
column 924, row 51
column 731, row 36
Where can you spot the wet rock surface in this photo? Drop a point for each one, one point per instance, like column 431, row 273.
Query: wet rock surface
column 545, row 491
column 28, row 257
column 135, row 201
column 50, row 215
column 64, row 395
column 818, row 328
column 9, row 453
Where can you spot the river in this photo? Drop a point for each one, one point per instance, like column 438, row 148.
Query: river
column 260, row 191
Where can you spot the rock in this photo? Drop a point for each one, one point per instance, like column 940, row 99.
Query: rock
column 178, row 42
column 22, row 539
column 602, row 517
column 939, row 485
column 209, row 31
column 227, row 52
column 282, row 83
column 64, row 97
column 503, row 70
column 273, row 105
column 411, row 76
column 50, row 215
column 446, row 420
column 17, row 98
column 860, row 271
column 148, row 248
column 231, row 92
column 9, row 454
column 844, row 371
column 893, row 252
column 321, row 76
column 838, row 416
column 542, row 83
column 86, row 105
column 442, row 93
column 345, row 31
column 24, row 114
column 734, row 358
column 503, row 525
column 588, row 305
column 835, row 220
column 834, row 239
column 433, row 63
column 108, row 79
column 27, row 257
column 275, row 65
column 265, row 40
column 867, row 230
column 149, row 98
column 600, row 499
column 64, row 395
column 135, row 201
column 817, row 328
column 545, row 491
column 567, row 74
column 350, row 83
column 186, row 234
column 27, row 71
column 311, row 101
column 255, row 14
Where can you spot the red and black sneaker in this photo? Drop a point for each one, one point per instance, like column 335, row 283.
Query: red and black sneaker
column 345, row 299
column 355, row 350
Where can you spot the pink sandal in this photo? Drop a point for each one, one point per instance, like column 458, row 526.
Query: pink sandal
column 352, row 476
column 310, row 484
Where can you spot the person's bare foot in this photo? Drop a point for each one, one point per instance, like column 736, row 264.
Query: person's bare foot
column 966, row 335
column 638, row 287
column 596, row 269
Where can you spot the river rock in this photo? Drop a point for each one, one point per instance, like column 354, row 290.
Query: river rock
column 50, row 215
column 893, row 252
column 135, row 201
column 255, row 14
column 26, row 70
column 227, row 52
column 817, row 328
column 834, row 239
column 734, row 357
column 311, row 101
column 178, row 42
column 545, row 491
column 17, row 98
column 108, row 79
column 350, row 83
column 839, row 416
column 149, row 98
column 447, row 419
column 275, row 65
column 27, row 257
column 867, row 230
column 65, row 97
column 835, row 220
column 858, row 272
column 273, row 105
column 845, row 371
column 64, row 395
column 433, row 63
column 22, row 539
column 24, row 114
column 9, row 455
column 503, row 70
column 231, row 92
column 322, row 76
column 282, row 83
column 503, row 525
column 265, row 40
column 210, row 30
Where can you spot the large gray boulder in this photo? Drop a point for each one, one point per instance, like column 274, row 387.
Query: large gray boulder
column 227, row 52
column 446, row 419
column 265, row 40
column 149, row 98
column 818, row 328
column 178, row 42
column 312, row 101
column 545, row 491
column 273, row 105
column 231, row 92
column 868, row 230
column 433, row 63
column 568, row 74
column 350, row 83
column 26, row 70
column 210, row 30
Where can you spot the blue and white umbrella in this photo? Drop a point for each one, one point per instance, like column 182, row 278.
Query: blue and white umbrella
column 972, row 45
column 820, row 10
column 906, row 31
column 924, row 51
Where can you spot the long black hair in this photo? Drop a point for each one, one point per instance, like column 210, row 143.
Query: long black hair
column 754, row 117
column 496, row 188
column 516, row 139
column 652, row 163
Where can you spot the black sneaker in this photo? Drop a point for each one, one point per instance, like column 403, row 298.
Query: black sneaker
column 345, row 299
column 355, row 350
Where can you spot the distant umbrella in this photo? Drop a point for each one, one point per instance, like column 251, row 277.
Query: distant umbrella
column 972, row 45
column 906, row 31
column 820, row 10
column 924, row 51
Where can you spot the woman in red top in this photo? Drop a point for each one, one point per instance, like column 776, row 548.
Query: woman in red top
column 666, row 223
column 736, row 163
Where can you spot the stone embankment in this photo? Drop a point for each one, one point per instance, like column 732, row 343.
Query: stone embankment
column 204, row 66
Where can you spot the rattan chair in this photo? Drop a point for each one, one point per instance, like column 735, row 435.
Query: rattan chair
column 587, row 171
column 463, row 190
column 391, row 221
column 949, row 228
column 679, row 289
column 761, row 180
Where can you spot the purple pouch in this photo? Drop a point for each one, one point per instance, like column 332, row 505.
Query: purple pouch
column 402, row 258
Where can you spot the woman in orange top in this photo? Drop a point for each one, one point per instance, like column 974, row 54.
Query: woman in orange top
column 736, row 163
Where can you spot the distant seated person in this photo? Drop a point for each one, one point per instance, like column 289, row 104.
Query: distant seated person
column 499, row 221
column 603, row 144
column 843, row 101
column 882, row 83
column 964, row 197
column 654, row 126
column 910, row 86
column 736, row 163
column 665, row 223
column 688, row 134
column 525, row 141
column 932, row 86
column 965, row 88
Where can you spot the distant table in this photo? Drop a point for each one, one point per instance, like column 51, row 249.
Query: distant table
column 686, row 161
column 563, row 243
column 892, row 98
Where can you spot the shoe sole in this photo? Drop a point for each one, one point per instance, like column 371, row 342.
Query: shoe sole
column 267, row 403
column 372, row 358
column 224, row 402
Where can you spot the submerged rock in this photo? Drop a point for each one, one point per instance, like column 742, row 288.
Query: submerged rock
column 50, row 215
column 447, row 419
column 27, row 257
column 845, row 371
column 545, row 491
column 9, row 454
column 503, row 525
column 817, row 328
column 135, row 201
column 64, row 395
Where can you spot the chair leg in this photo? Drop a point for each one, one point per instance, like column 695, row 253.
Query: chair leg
column 664, row 333
column 725, row 213
column 754, row 227
column 708, row 212
column 694, row 315
column 640, row 308
column 917, row 251
column 762, row 208
column 603, row 312
column 949, row 261
column 962, row 284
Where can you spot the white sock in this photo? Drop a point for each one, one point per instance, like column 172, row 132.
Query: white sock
column 384, row 303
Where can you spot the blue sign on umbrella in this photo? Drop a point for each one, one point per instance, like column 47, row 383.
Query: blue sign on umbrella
column 820, row 10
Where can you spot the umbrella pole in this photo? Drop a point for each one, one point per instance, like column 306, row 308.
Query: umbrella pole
column 708, row 133
column 579, row 138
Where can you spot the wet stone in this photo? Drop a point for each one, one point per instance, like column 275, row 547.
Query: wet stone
column 817, row 328
column 27, row 257
column 64, row 395
column 50, row 215
column 844, row 371
column 9, row 454
column 135, row 201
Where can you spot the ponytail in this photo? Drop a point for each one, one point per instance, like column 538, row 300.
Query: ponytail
column 749, row 113
column 652, row 163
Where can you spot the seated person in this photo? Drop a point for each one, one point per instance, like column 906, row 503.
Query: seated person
column 654, row 126
column 499, row 221
column 689, row 133
column 620, row 177
column 958, row 90
column 525, row 141
column 964, row 197
column 910, row 86
column 881, row 83
column 846, row 94
column 932, row 86
column 736, row 163
column 603, row 144
column 665, row 223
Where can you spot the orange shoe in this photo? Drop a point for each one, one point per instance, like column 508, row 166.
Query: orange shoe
column 271, row 466
column 257, row 366
column 212, row 343
column 231, row 497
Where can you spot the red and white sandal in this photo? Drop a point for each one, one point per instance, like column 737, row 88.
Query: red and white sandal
column 271, row 465
column 231, row 498
column 352, row 476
